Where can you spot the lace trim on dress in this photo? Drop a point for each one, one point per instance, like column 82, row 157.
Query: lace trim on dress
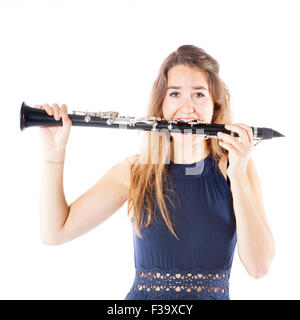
column 179, row 282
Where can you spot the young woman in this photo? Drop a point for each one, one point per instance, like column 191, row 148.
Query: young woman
column 190, row 200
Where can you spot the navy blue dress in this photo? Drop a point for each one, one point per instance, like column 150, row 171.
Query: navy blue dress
column 197, row 267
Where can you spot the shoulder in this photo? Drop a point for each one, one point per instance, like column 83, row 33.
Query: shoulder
column 122, row 169
column 132, row 159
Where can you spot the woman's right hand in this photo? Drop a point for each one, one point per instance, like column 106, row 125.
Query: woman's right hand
column 55, row 137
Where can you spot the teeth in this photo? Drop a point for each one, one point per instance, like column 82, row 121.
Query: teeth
column 186, row 119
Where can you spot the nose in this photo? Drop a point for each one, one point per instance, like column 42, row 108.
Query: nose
column 188, row 107
column 188, row 104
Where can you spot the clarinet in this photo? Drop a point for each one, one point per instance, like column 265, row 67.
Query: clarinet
column 30, row 117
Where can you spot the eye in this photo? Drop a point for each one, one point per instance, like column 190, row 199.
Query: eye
column 176, row 93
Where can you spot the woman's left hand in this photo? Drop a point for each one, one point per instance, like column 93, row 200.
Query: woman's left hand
column 239, row 148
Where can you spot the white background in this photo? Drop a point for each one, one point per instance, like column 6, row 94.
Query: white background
column 105, row 55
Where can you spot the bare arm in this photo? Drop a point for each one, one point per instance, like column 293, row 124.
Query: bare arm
column 52, row 205
column 61, row 223
column 254, row 238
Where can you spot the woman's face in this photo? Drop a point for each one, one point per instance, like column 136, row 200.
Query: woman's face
column 187, row 97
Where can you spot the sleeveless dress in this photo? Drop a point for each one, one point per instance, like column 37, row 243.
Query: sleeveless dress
column 197, row 267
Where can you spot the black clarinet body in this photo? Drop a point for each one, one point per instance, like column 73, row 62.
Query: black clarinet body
column 32, row 117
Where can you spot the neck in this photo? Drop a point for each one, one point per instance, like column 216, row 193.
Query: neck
column 187, row 153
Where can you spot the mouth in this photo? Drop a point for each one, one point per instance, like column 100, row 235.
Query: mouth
column 186, row 134
column 185, row 119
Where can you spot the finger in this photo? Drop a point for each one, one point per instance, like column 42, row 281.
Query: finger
column 231, row 140
column 249, row 131
column 66, row 120
column 64, row 114
column 63, row 108
column 48, row 109
column 56, row 111
column 241, row 132
column 38, row 106
column 227, row 146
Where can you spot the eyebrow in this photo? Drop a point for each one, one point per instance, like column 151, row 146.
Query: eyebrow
column 195, row 88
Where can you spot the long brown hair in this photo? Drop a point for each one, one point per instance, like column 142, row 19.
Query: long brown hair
column 148, row 171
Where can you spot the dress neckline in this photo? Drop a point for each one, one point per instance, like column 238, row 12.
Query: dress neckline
column 191, row 170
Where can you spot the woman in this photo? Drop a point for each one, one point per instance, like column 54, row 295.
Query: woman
column 187, row 213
